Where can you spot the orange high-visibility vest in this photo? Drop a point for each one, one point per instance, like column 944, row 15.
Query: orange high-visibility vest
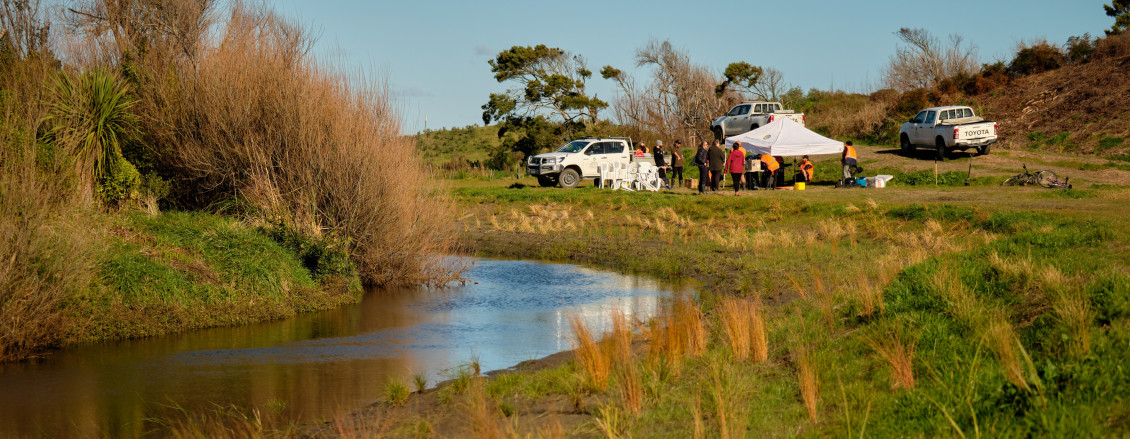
column 807, row 168
column 850, row 152
column 770, row 162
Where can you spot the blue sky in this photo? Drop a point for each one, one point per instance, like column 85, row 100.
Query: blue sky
column 434, row 53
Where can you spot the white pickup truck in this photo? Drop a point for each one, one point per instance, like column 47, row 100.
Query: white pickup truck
column 749, row 116
column 578, row 160
column 947, row 129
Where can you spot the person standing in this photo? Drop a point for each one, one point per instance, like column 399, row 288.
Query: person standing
column 701, row 160
column 771, row 165
column 716, row 158
column 660, row 160
column 640, row 150
column 735, row 165
column 677, row 162
column 849, row 161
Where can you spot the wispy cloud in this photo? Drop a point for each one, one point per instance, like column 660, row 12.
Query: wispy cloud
column 483, row 50
column 412, row 92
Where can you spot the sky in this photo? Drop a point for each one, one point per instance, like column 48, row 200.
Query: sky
column 434, row 53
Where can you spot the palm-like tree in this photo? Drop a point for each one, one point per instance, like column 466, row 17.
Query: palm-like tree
column 92, row 116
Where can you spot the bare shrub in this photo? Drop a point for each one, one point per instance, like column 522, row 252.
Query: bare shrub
column 923, row 60
column 682, row 97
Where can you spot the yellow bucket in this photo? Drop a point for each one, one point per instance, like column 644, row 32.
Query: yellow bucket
column 799, row 185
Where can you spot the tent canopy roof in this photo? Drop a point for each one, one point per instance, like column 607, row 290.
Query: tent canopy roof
column 786, row 138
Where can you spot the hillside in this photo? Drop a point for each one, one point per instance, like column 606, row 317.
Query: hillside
column 1077, row 108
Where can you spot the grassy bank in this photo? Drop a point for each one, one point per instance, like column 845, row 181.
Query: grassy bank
column 180, row 271
column 910, row 311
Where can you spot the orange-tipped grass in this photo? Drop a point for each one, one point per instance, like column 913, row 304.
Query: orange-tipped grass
column 809, row 384
column 744, row 328
column 899, row 355
column 594, row 365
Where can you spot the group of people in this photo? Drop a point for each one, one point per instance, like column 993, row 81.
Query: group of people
column 713, row 161
column 660, row 157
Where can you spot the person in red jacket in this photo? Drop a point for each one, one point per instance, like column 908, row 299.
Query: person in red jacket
column 735, row 165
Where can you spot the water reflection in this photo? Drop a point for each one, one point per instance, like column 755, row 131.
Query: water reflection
column 321, row 363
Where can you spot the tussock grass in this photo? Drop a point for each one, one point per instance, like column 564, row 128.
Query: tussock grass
column 676, row 333
column 593, row 362
column 808, row 381
column 898, row 353
column 744, row 327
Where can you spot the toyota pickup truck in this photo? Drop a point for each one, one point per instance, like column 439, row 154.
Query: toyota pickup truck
column 749, row 116
column 578, row 160
column 946, row 129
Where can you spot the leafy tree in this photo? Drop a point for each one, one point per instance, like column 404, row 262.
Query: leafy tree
column 548, row 103
column 740, row 74
column 1120, row 10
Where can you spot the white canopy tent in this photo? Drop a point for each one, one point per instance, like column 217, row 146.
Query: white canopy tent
column 785, row 138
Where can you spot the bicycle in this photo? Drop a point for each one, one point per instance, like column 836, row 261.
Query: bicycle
column 1048, row 179
column 1045, row 178
column 1022, row 179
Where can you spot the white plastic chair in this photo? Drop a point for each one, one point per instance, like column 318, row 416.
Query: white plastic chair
column 603, row 171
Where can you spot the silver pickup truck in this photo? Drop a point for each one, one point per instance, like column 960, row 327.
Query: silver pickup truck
column 749, row 116
column 946, row 129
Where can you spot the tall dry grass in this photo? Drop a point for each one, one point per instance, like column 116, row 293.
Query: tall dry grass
column 45, row 229
column 744, row 327
column 591, row 359
column 1015, row 363
column 242, row 116
column 808, row 381
column 677, row 332
column 898, row 352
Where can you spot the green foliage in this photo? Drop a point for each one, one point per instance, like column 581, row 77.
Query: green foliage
column 1120, row 10
column 741, row 74
column 1037, row 58
column 550, row 105
column 121, row 184
column 395, row 392
column 152, row 185
column 325, row 256
column 1080, row 48
column 92, row 115
column 1108, row 142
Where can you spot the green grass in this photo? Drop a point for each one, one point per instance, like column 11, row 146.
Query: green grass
column 962, row 385
column 178, row 271
column 1108, row 142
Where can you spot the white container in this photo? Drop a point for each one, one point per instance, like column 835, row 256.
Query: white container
column 879, row 184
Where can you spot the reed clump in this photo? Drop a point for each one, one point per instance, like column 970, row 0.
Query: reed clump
column 677, row 332
column 898, row 353
column 744, row 328
column 593, row 362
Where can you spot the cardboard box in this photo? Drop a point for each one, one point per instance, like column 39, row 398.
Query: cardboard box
column 690, row 183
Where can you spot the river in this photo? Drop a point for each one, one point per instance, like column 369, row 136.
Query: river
column 317, row 365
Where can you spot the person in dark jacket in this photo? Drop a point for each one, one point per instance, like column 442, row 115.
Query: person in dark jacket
column 660, row 160
column 677, row 162
column 700, row 160
column 716, row 159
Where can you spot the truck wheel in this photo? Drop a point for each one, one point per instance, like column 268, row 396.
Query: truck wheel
column 984, row 150
column 941, row 149
column 718, row 134
column 569, row 179
column 544, row 181
column 904, row 143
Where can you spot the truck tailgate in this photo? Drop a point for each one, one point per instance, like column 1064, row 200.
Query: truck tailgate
column 978, row 130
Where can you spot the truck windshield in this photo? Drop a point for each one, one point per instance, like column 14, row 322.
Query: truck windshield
column 574, row 146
